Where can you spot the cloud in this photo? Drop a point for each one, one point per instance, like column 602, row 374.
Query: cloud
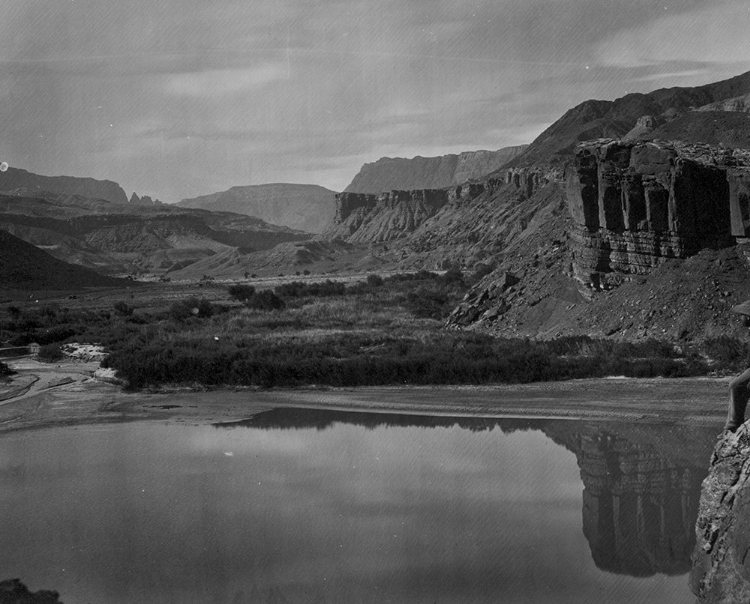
column 714, row 34
column 220, row 82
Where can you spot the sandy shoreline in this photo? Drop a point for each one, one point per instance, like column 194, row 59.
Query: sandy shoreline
column 43, row 395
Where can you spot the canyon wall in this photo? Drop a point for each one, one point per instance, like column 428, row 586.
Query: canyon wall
column 439, row 172
column 374, row 218
column 369, row 218
column 636, row 205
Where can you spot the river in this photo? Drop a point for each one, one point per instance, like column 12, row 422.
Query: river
column 313, row 506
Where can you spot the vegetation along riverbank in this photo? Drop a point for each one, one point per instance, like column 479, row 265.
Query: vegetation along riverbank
column 376, row 331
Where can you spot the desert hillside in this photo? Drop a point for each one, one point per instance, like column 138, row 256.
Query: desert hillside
column 306, row 208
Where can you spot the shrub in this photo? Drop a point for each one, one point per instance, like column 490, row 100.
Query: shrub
column 374, row 280
column 241, row 293
column 297, row 289
column 265, row 300
column 122, row 308
column 190, row 307
column 5, row 370
column 726, row 351
column 50, row 353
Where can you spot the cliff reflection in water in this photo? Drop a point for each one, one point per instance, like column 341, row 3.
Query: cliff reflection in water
column 641, row 482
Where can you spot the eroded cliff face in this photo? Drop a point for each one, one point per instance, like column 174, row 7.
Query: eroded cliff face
column 369, row 218
column 636, row 205
column 396, row 173
column 721, row 564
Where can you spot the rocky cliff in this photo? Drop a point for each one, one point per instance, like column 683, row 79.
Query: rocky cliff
column 636, row 205
column 14, row 179
column 721, row 565
column 396, row 173
column 367, row 218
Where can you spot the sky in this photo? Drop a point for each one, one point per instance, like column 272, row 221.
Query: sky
column 179, row 98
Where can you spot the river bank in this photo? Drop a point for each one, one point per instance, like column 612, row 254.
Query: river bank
column 70, row 393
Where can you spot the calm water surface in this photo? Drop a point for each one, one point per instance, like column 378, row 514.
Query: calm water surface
column 302, row 506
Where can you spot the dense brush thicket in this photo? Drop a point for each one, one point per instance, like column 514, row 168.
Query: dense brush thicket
column 360, row 361
column 375, row 332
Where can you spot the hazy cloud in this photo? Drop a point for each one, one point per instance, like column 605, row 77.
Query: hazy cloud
column 713, row 33
column 219, row 82
column 150, row 94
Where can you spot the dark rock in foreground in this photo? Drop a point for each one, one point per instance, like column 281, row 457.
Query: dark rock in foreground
column 721, row 565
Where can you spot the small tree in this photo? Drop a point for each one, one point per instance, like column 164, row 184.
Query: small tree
column 122, row 308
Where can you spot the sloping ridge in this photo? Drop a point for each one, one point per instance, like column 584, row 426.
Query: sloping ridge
column 594, row 119
column 301, row 207
column 25, row 266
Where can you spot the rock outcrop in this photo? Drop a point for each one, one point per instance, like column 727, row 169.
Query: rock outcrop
column 636, row 205
column 143, row 201
column 721, row 565
column 397, row 173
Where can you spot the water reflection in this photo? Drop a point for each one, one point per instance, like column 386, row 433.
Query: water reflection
column 305, row 506
column 641, row 483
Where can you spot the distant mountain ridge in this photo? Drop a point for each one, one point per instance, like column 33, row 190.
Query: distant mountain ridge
column 397, row 173
column 308, row 208
column 128, row 238
column 18, row 179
